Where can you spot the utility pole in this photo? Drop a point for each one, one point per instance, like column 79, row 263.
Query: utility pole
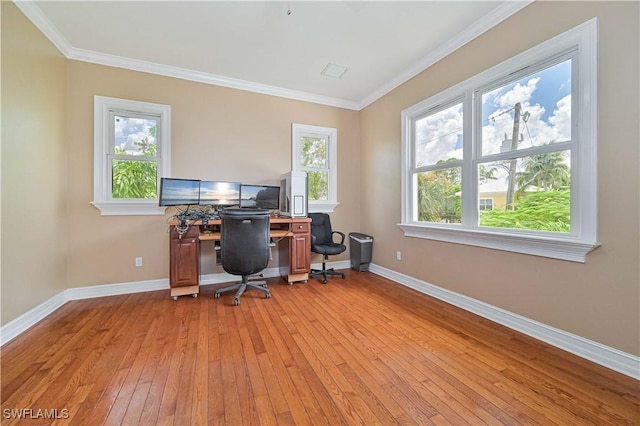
column 512, row 163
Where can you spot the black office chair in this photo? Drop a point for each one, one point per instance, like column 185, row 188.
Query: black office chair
column 322, row 243
column 244, row 248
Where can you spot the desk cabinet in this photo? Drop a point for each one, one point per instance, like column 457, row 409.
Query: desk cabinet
column 184, row 253
column 295, row 253
column 300, row 248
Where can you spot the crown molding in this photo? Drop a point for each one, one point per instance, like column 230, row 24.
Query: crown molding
column 38, row 18
column 473, row 31
column 84, row 55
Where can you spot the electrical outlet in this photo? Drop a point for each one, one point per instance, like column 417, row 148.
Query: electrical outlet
column 138, row 261
column 398, row 255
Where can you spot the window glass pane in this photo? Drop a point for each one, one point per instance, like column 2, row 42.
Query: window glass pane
column 538, row 197
column 134, row 179
column 438, row 137
column 135, row 136
column 485, row 204
column 439, row 196
column 536, row 108
column 314, row 152
column 318, row 185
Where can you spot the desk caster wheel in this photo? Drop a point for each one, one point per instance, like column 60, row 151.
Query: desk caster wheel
column 175, row 297
column 195, row 295
column 290, row 282
column 236, row 302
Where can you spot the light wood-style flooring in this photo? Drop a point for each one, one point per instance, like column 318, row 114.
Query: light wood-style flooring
column 362, row 350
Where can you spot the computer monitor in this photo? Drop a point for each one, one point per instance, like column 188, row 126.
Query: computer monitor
column 179, row 192
column 260, row 197
column 217, row 193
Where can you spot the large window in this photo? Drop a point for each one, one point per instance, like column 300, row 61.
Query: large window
column 506, row 159
column 132, row 144
column 315, row 152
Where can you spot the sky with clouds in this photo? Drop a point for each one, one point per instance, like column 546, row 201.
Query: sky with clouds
column 129, row 130
column 545, row 98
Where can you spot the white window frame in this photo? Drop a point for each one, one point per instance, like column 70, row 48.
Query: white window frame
column 583, row 238
column 330, row 134
column 103, row 132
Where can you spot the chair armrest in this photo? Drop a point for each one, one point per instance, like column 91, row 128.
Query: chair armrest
column 341, row 236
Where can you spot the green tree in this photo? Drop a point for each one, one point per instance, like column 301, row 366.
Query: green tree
column 314, row 155
column 544, row 171
column 318, row 185
column 439, row 197
column 548, row 208
column 136, row 178
column 544, row 211
column 486, row 174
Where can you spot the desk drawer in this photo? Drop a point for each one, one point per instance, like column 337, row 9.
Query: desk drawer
column 300, row 227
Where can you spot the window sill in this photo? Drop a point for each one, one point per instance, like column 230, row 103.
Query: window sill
column 316, row 207
column 128, row 208
column 556, row 248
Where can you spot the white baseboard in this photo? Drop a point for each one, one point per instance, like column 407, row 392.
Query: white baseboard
column 27, row 320
column 78, row 293
column 606, row 356
column 614, row 359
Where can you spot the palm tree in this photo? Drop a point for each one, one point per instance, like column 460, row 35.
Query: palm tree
column 547, row 171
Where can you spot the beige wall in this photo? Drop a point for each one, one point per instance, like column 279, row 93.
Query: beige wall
column 34, row 157
column 598, row 300
column 217, row 134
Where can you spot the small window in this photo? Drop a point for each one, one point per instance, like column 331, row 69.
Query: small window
column 485, row 204
column 132, row 143
column 315, row 152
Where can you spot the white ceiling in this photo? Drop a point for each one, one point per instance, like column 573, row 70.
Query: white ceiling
column 259, row 46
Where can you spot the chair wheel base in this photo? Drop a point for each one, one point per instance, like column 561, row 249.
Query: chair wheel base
column 324, row 274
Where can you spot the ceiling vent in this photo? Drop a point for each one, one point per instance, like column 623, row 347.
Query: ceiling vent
column 333, row 70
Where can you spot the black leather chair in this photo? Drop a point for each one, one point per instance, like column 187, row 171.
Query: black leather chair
column 244, row 248
column 322, row 242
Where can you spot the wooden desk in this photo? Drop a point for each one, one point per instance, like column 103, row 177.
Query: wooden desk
column 294, row 251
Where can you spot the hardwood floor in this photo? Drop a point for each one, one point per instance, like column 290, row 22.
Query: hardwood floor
column 362, row 350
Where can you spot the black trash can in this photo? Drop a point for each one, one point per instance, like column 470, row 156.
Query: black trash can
column 360, row 247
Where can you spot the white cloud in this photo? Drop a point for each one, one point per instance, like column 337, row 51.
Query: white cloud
column 534, row 129
column 519, row 93
column 129, row 130
column 437, row 136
